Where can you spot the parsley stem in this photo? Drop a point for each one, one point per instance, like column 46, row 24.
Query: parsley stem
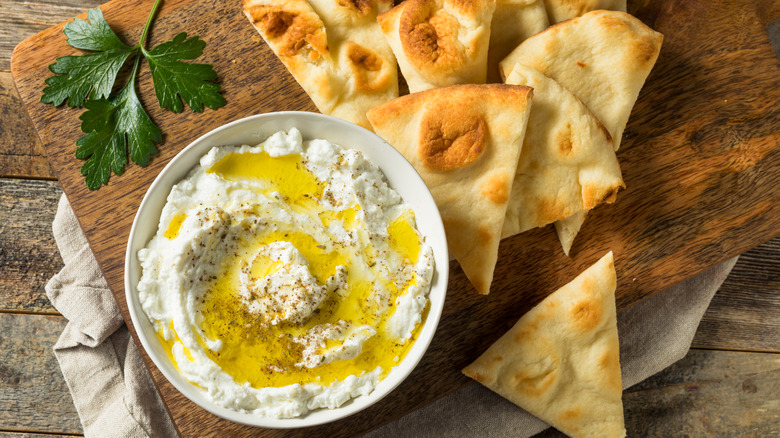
column 148, row 25
column 135, row 68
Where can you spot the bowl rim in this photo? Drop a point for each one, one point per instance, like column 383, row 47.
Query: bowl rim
column 435, row 236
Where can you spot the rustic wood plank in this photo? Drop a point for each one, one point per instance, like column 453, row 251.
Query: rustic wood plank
column 19, row 20
column 10, row 434
column 33, row 393
column 707, row 393
column 21, row 153
column 744, row 313
column 718, row 394
column 28, row 252
column 700, row 159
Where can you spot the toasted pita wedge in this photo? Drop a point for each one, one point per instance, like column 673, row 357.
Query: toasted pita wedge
column 567, row 163
column 561, row 360
column 513, row 22
column 560, row 10
column 333, row 48
column 439, row 43
column 602, row 57
column 568, row 229
column 465, row 142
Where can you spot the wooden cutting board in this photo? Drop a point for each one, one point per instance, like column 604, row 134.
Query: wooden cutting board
column 700, row 157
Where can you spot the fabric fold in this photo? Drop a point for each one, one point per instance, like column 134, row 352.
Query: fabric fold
column 111, row 388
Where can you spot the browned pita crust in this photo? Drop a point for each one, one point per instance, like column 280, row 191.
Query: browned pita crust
column 439, row 43
column 560, row 361
column 333, row 48
column 465, row 142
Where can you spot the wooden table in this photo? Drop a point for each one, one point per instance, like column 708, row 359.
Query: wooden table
column 729, row 384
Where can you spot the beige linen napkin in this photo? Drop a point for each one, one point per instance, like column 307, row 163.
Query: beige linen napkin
column 111, row 388
column 115, row 397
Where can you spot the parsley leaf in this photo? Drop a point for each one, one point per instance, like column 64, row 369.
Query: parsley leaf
column 95, row 34
column 78, row 75
column 114, row 124
column 117, row 125
column 173, row 78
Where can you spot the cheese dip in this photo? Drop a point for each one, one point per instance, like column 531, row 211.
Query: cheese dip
column 285, row 277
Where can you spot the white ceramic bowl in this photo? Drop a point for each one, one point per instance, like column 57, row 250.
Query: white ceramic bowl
column 252, row 130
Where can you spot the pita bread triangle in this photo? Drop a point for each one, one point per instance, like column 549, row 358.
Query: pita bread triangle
column 568, row 229
column 439, row 43
column 602, row 57
column 465, row 142
column 560, row 361
column 561, row 10
column 567, row 163
column 513, row 21
column 334, row 49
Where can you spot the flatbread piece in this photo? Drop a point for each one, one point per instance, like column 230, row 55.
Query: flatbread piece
column 561, row 360
column 439, row 43
column 465, row 142
column 567, row 163
column 333, row 48
column 602, row 57
column 513, row 22
column 560, row 10
column 568, row 228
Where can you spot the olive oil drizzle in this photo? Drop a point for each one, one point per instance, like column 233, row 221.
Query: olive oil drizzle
column 265, row 355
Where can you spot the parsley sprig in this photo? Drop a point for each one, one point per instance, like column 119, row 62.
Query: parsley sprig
column 116, row 124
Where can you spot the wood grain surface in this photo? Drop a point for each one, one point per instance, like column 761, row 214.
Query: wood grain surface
column 30, row 256
column 749, row 381
column 9, row 434
column 22, row 154
column 700, row 159
column 32, row 390
column 749, row 294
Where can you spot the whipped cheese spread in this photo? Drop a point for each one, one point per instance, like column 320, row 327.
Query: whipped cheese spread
column 285, row 277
